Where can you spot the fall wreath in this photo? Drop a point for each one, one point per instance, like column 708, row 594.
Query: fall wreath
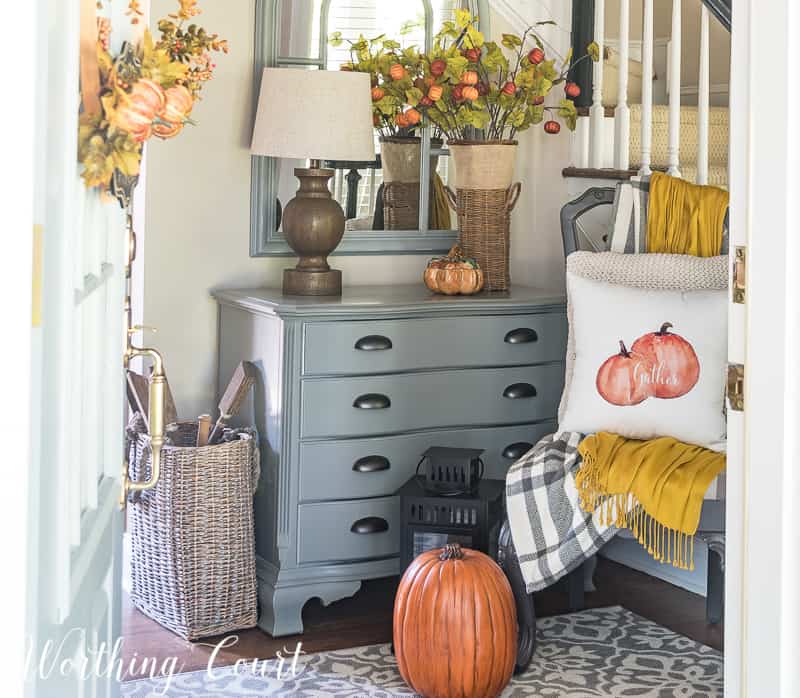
column 146, row 90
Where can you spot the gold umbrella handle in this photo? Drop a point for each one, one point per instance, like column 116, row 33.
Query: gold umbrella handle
column 156, row 425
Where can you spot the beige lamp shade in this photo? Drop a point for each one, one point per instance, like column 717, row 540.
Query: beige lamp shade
column 319, row 114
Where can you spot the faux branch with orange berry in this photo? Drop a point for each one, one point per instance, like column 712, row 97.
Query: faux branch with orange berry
column 468, row 87
column 392, row 72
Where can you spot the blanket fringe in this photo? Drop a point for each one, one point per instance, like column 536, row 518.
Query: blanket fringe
column 666, row 545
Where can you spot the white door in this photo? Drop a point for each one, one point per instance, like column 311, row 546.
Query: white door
column 762, row 619
column 77, row 405
column 739, row 163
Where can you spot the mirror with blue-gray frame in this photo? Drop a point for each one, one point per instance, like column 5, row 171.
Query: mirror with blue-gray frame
column 386, row 209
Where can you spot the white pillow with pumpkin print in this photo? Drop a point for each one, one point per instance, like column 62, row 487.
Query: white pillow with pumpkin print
column 648, row 363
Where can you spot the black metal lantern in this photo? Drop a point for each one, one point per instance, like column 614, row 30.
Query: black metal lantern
column 451, row 472
column 429, row 521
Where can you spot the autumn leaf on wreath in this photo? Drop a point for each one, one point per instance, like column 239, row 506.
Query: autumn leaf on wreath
column 125, row 153
column 98, row 165
column 158, row 65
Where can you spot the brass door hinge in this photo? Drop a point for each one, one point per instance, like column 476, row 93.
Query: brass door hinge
column 739, row 274
column 735, row 391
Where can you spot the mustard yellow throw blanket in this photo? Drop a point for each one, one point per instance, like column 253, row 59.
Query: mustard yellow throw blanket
column 655, row 488
column 684, row 218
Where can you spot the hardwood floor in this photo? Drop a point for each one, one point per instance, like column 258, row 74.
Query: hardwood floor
column 366, row 619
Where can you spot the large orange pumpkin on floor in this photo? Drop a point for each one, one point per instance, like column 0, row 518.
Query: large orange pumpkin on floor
column 455, row 625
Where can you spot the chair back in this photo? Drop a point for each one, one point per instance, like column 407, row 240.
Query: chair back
column 572, row 211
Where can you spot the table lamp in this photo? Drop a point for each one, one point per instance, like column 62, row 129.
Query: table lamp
column 315, row 114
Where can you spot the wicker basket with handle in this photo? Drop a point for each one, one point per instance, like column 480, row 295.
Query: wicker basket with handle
column 483, row 200
column 193, row 551
column 484, row 230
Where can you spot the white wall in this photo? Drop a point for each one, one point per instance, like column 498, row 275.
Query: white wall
column 197, row 214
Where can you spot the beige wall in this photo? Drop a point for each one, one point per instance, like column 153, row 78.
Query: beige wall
column 719, row 38
column 197, row 216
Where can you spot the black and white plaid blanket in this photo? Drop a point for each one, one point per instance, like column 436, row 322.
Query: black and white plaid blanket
column 552, row 534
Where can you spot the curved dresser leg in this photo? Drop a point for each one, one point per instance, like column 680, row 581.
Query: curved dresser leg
column 526, row 614
column 282, row 607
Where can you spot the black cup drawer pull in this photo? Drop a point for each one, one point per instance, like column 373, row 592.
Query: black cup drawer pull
column 371, row 464
column 372, row 401
column 522, row 335
column 519, row 391
column 374, row 342
column 370, row 524
column 516, row 450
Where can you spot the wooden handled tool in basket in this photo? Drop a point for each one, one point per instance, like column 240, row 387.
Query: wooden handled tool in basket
column 244, row 377
column 138, row 389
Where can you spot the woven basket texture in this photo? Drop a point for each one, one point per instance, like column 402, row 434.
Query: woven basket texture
column 484, row 227
column 193, row 557
column 401, row 205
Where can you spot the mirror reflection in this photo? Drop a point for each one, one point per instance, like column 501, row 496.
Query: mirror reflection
column 383, row 194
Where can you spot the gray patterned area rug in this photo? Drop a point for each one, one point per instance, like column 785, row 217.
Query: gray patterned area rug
column 601, row 652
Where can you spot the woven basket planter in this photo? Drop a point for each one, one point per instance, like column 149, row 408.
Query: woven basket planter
column 483, row 200
column 401, row 205
column 400, row 158
column 193, row 550
column 400, row 165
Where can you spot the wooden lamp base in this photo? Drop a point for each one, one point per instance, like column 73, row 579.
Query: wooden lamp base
column 313, row 224
column 300, row 282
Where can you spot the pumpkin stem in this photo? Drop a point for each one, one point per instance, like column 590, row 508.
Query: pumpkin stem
column 623, row 350
column 452, row 551
column 455, row 253
column 665, row 328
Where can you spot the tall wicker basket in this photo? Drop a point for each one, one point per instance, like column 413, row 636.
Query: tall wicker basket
column 483, row 200
column 484, row 230
column 193, row 552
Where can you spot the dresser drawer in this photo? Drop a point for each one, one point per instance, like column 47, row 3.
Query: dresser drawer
column 375, row 467
column 352, row 530
column 361, row 406
column 454, row 342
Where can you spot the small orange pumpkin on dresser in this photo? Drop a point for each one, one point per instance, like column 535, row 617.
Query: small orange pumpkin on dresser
column 454, row 274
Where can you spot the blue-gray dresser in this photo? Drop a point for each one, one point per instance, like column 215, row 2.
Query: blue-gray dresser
column 352, row 391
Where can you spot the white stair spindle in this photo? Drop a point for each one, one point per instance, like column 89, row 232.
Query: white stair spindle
column 597, row 112
column 647, row 88
column 622, row 114
column 703, row 98
column 580, row 147
column 673, row 147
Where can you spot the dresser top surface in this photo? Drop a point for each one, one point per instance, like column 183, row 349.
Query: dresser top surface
column 390, row 299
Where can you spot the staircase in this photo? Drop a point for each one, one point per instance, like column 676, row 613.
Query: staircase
column 617, row 142
column 718, row 139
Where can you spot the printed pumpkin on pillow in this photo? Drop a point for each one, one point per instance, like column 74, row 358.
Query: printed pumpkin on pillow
column 648, row 363
column 660, row 365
